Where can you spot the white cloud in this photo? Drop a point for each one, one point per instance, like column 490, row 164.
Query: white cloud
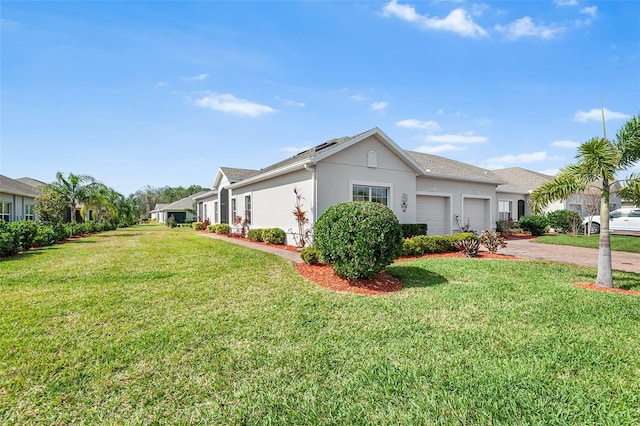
column 450, row 138
column 412, row 123
column 483, row 121
column 198, row 77
column 550, row 172
column 591, row 11
column 436, row 149
column 290, row 102
column 524, row 27
column 226, row 102
column 458, row 20
column 596, row 115
column 295, row 148
column 161, row 84
column 358, row 97
column 565, row 144
column 566, row 2
column 378, row 106
column 440, row 111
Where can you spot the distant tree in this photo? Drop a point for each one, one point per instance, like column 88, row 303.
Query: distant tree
column 598, row 160
column 51, row 206
column 74, row 188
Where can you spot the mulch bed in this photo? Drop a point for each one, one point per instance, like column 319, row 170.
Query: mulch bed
column 592, row 286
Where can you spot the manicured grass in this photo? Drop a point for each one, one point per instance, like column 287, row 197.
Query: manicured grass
column 618, row 242
column 153, row 325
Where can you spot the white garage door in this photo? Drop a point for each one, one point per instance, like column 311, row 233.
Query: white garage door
column 476, row 211
column 433, row 211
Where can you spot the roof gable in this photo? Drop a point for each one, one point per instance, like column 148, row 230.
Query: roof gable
column 232, row 174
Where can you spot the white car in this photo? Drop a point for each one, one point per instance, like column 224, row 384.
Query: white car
column 625, row 219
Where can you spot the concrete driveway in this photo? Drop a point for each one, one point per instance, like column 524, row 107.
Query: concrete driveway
column 528, row 249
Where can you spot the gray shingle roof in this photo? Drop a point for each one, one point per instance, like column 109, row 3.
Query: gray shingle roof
column 445, row 167
column 31, row 182
column 235, row 175
column 14, row 186
column 183, row 204
column 521, row 180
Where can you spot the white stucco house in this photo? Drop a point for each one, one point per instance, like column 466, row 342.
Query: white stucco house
column 418, row 188
column 513, row 196
column 181, row 210
column 18, row 198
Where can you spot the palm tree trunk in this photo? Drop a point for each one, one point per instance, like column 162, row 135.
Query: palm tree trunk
column 605, row 272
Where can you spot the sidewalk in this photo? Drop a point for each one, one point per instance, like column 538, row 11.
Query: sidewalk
column 294, row 256
column 528, row 249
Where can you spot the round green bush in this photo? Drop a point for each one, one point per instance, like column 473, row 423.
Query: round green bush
column 564, row 221
column 536, row 225
column 310, row 255
column 358, row 238
column 273, row 236
column 255, row 234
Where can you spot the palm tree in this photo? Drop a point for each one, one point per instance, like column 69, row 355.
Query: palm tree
column 74, row 188
column 598, row 162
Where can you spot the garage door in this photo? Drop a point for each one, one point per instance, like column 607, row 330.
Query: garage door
column 476, row 211
column 433, row 211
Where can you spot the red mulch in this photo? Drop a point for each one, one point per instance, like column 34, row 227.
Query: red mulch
column 592, row 286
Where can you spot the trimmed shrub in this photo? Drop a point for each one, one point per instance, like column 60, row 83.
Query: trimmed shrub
column 564, row 221
column 196, row 225
column 310, row 255
column 410, row 230
column 426, row 244
column 9, row 240
column 534, row 224
column 223, row 228
column 492, row 241
column 45, row 236
column 273, row 236
column 25, row 231
column 211, row 228
column 255, row 234
column 358, row 238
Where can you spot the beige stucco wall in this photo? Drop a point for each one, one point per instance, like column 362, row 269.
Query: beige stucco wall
column 337, row 173
column 458, row 191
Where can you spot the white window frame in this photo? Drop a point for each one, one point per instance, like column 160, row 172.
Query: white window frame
column 247, row 208
column 385, row 185
column 29, row 214
column 510, row 211
column 5, row 211
column 234, row 210
column 216, row 213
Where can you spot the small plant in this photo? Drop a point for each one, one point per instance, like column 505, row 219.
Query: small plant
column 171, row 222
column 241, row 225
column 469, row 248
column 196, row 225
column 222, row 228
column 273, row 236
column 255, row 234
column 303, row 235
column 464, row 227
column 492, row 241
column 310, row 255
column 211, row 228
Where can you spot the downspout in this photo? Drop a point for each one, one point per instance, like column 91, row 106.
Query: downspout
column 313, row 192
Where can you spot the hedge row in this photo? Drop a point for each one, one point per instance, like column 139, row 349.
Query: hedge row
column 219, row 228
column 423, row 244
column 410, row 230
column 25, row 234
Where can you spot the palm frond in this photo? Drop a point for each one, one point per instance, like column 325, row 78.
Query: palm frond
column 628, row 142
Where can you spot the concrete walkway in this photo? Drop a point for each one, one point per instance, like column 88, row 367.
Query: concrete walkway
column 523, row 248
column 528, row 249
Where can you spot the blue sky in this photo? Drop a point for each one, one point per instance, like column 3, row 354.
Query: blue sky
column 163, row 93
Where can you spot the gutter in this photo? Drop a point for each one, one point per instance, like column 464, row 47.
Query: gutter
column 313, row 191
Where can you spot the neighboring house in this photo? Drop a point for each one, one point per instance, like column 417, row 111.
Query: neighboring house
column 181, row 210
column 17, row 198
column 418, row 188
column 513, row 196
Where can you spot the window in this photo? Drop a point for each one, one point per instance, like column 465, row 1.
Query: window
column 216, row 217
column 5, row 211
column 376, row 194
column 233, row 210
column 247, row 208
column 504, row 210
column 28, row 212
column 204, row 214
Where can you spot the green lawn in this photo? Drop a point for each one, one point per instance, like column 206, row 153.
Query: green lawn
column 154, row 325
column 618, row 242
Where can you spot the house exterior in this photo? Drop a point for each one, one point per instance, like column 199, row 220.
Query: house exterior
column 181, row 210
column 418, row 188
column 513, row 196
column 18, row 198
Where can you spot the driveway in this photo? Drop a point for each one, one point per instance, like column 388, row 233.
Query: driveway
column 529, row 249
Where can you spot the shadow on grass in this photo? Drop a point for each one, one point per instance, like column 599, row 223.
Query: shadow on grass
column 26, row 255
column 119, row 235
column 414, row 277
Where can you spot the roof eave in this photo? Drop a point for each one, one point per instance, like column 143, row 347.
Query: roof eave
column 270, row 174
